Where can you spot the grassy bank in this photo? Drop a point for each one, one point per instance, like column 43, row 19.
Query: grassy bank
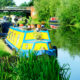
column 4, row 50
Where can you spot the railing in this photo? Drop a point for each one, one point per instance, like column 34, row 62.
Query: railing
column 15, row 8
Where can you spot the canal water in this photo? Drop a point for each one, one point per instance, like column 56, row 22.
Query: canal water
column 64, row 57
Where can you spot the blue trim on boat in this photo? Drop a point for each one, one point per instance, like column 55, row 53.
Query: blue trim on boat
column 50, row 52
column 54, row 24
column 10, row 45
column 54, row 21
column 17, row 29
column 23, row 40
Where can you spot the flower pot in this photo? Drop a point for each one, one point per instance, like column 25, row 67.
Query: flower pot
column 20, row 25
column 38, row 26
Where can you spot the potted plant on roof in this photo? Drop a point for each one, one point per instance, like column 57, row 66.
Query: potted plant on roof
column 21, row 23
column 36, row 22
column 38, row 25
column 32, row 24
column 29, row 22
column 25, row 20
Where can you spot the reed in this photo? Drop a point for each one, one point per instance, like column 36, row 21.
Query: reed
column 32, row 68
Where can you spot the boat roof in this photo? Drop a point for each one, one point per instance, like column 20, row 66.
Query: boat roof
column 24, row 30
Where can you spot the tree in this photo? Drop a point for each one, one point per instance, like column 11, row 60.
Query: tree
column 31, row 3
column 53, row 6
column 4, row 3
column 42, row 9
column 46, row 8
column 27, row 4
column 24, row 4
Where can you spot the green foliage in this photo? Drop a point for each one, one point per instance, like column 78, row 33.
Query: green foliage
column 19, row 13
column 30, row 3
column 32, row 68
column 24, row 4
column 4, row 53
column 12, row 13
column 36, row 21
column 52, row 37
column 46, row 8
column 3, row 48
column 24, row 18
column 42, row 9
column 29, row 21
column 4, row 3
column 69, row 12
column 21, row 22
column 2, row 14
column 53, row 6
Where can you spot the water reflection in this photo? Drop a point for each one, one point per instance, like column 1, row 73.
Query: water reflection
column 74, row 62
column 66, row 39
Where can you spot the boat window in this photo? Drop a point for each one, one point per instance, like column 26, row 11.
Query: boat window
column 41, row 46
column 18, row 39
column 27, row 46
column 50, row 46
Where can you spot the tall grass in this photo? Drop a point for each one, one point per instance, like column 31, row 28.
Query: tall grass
column 32, row 68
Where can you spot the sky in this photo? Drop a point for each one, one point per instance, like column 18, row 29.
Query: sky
column 18, row 2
